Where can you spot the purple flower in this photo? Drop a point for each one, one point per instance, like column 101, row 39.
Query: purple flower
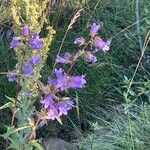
column 101, row 44
column 15, row 41
column 11, row 77
column 51, row 81
column 90, row 57
column 27, row 69
column 34, row 59
column 80, row 41
column 62, row 80
column 28, row 92
column 48, row 101
column 94, row 29
column 77, row 81
column 65, row 59
column 53, row 113
column 25, row 30
column 35, row 42
column 65, row 106
column 60, row 59
column 59, row 73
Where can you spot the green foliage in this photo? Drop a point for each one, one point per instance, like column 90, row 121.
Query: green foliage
column 4, row 11
column 128, row 129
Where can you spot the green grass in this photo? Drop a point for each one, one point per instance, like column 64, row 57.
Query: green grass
column 116, row 134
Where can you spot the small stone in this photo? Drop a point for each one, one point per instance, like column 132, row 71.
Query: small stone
column 57, row 144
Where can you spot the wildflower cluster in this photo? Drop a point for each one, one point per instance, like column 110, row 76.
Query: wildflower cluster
column 30, row 44
column 54, row 104
column 96, row 43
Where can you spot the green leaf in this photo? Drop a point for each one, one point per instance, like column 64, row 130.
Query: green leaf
column 132, row 92
column 21, row 128
column 36, row 144
column 146, row 10
column 147, row 21
column 11, row 130
column 11, row 99
column 9, row 104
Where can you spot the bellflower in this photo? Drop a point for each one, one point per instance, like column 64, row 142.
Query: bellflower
column 53, row 113
column 27, row 69
column 101, row 44
column 59, row 73
column 15, row 41
column 94, row 29
column 34, row 59
column 77, row 81
column 35, row 42
column 65, row 59
column 65, row 106
column 62, row 82
column 90, row 57
column 48, row 101
column 79, row 41
column 25, row 30
column 11, row 77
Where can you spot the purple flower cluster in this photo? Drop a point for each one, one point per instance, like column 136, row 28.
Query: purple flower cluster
column 34, row 41
column 96, row 43
column 63, row 82
column 53, row 103
column 55, row 109
column 57, row 106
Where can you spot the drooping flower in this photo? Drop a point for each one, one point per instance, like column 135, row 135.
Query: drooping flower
column 35, row 42
column 25, row 30
column 90, row 57
column 53, row 113
column 101, row 44
column 27, row 69
column 60, row 59
column 47, row 101
column 34, row 59
column 94, row 29
column 77, row 81
column 65, row 106
column 15, row 41
column 62, row 82
column 59, row 72
column 11, row 77
column 80, row 41
column 65, row 59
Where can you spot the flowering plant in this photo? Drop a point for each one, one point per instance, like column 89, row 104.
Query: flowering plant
column 31, row 51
